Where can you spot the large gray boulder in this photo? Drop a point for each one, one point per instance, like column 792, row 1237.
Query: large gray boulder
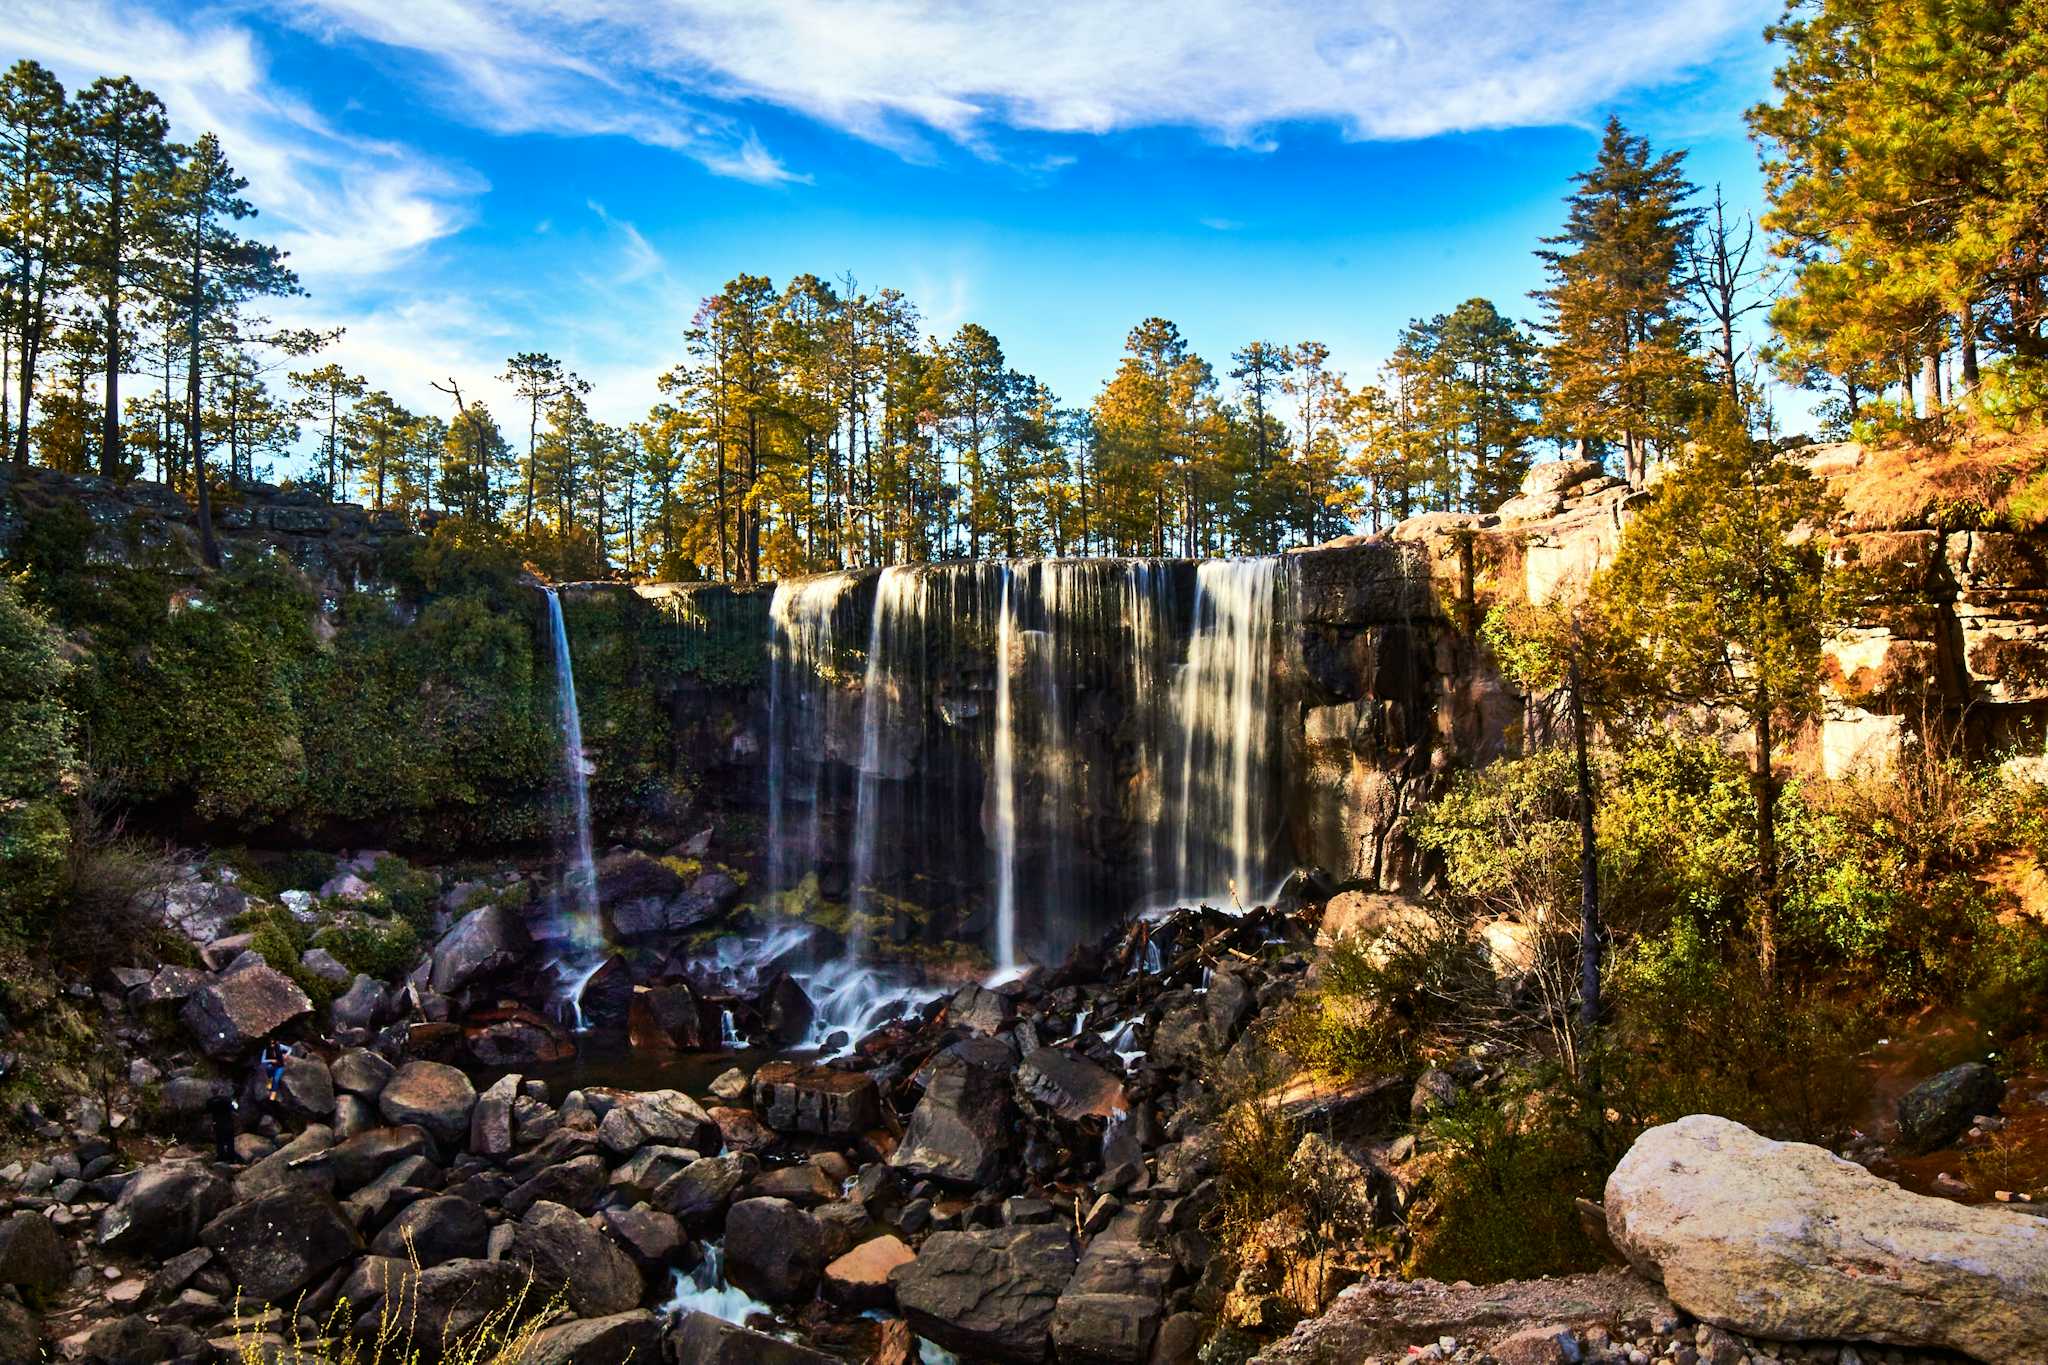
column 987, row 1295
column 963, row 1127
column 697, row 1195
column 162, row 1208
column 823, row 1101
column 279, row 1243
column 565, row 1252
column 433, row 1095
column 32, row 1255
column 666, row 1118
column 1070, row 1085
column 359, row 1071
column 1785, row 1240
column 454, row 1298
column 482, row 942
column 773, row 1250
column 1937, row 1111
column 1112, row 1308
column 362, row 1004
column 490, row 1122
column 231, row 1015
column 439, row 1228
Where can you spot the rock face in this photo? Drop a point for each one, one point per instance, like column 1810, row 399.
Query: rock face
column 482, row 942
column 987, row 1295
column 434, row 1096
column 1937, row 1111
column 1786, row 1240
column 232, row 1014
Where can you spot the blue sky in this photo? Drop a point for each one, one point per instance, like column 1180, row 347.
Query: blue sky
column 460, row 179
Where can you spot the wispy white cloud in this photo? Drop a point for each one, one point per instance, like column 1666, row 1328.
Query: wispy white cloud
column 895, row 71
column 346, row 208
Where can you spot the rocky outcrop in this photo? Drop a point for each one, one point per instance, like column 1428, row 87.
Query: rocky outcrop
column 1785, row 1240
column 1941, row 1108
column 987, row 1295
column 233, row 1013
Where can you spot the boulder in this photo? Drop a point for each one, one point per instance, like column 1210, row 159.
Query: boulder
column 773, row 1250
column 170, row 986
column 565, row 1252
column 1555, row 476
column 576, row 1183
column 1112, row 1308
column 484, row 941
column 741, row 1131
column 434, row 1096
column 326, row 966
column 362, row 1004
column 439, row 1228
column 520, row 1042
column 135, row 1340
column 306, row 1090
column 792, row 1097
column 701, row 1339
column 1070, row 1085
column 355, row 1162
column 490, row 1122
column 453, row 1299
column 629, row 1336
column 279, row 1243
column 666, row 1118
column 963, row 1127
column 32, row 1255
column 989, row 1294
column 652, row 1238
column 1939, row 1110
column 291, row 1164
column 233, row 1014
column 644, row 1172
column 697, row 1195
column 162, row 1208
column 980, row 1011
column 860, row 1279
column 786, row 1012
column 359, row 1071
column 1785, row 1240
column 667, row 1018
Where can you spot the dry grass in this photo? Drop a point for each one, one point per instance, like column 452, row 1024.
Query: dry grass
column 1967, row 475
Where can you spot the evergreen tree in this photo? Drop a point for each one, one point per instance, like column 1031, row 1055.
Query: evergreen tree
column 1619, row 355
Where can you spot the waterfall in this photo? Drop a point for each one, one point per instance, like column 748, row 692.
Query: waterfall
column 803, row 653
column 1003, row 778
column 585, row 932
column 1225, row 726
column 898, row 612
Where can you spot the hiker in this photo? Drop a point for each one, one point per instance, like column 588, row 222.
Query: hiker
column 274, row 1056
column 221, row 1109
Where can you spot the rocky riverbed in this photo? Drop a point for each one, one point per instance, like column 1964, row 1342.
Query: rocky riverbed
column 1017, row 1172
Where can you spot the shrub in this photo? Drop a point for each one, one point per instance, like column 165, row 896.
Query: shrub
column 304, row 869
column 35, row 765
column 382, row 948
column 408, row 892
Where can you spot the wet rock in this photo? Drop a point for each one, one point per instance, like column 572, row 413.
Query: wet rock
column 275, row 1245
column 32, row 1255
column 519, row 1042
column 701, row 1339
column 666, row 1118
column 1937, row 1111
column 435, row 1229
column 162, row 1209
column 773, row 1250
column 989, row 1294
column 1784, row 1240
column 741, row 1131
column 963, row 1128
column 434, row 1096
column 697, row 1195
column 824, row 1101
column 233, row 1014
column 981, row 1011
column 860, row 1279
column 1070, row 1085
column 634, row 1336
column 564, row 1251
column 483, row 942
column 666, row 1018
column 786, row 1012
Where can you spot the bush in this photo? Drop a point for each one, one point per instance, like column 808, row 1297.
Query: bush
column 383, row 948
column 1511, row 1167
column 408, row 892
column 35, row 766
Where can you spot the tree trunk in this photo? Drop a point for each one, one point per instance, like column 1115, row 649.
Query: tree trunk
column 1591, row 936
column 1765, row 787
column 112, row 465
column 1930, row 382
column 209, row 549
column 1967, row 323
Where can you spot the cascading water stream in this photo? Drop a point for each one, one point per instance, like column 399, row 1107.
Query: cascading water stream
column 583, row 940
column 1003, row 779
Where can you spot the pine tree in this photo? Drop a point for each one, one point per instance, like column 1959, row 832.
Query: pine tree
column 1619, row 356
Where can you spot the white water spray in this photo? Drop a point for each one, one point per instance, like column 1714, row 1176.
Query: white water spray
column 579, row 874
column 1003, row 776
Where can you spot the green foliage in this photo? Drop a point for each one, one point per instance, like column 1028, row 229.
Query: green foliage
column 1511, row 1165
column 36, row 764
column 384, row 948
column 304, row 869
column 407, row 892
